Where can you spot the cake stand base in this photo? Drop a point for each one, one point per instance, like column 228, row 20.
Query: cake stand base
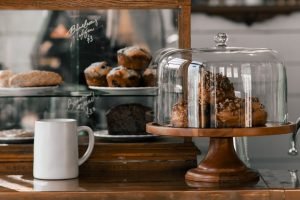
column 222, row 165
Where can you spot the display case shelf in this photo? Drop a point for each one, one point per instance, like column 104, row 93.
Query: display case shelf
column 76, row 92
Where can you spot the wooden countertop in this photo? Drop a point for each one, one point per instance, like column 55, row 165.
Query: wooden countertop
column 136, row 171
column 275, row 185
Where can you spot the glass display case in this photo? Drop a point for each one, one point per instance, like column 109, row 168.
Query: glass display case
column 66, row 43
column 54, row 50
column 48, row 47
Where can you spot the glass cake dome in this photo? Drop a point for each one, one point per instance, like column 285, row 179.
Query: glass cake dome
column 220, row 87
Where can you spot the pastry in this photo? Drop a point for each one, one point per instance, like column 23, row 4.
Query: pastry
column 134, row 57
column 259, row 114
column 35, row 78
column 123, row 77
column 128, row 119
column 95, row 74
column 149, row 77
column 232, row 113
column 180, row 118
column 4, row 77
column 16, row 133
column 214, row 88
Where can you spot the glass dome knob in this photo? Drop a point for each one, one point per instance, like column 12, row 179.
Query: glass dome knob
column 221, row 39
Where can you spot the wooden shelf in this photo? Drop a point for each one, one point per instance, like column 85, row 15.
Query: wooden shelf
column 165, row 153
column 246, row 14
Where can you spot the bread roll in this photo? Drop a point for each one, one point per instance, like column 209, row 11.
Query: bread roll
column 4, row 77
column 35, row 78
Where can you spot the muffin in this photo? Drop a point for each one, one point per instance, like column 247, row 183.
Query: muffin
column 215, row 88
column 95, row 74
column 149, row 77
column 232, row 113
column 134, row 57
column 123, row 77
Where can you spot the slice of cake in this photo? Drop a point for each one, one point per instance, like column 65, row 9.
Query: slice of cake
column 128, row 119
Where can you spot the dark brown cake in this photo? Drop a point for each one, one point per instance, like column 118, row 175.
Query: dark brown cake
column 128, row 119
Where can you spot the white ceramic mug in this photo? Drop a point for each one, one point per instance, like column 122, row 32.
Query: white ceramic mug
column 56, row 148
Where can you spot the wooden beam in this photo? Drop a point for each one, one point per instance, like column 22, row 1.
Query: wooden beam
column 91, row 4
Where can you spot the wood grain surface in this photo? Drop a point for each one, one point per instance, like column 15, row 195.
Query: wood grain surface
column 183, row 7
column 269, row 129
column 221, row 165
column 152, row 186
column 91, row 4
column 162, row 154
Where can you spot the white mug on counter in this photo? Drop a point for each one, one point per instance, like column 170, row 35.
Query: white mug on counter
column 56, row 148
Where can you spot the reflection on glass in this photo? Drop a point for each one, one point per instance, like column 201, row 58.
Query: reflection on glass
column 67, row 42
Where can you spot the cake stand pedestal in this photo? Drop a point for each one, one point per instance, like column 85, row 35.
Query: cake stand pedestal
column 221, row 164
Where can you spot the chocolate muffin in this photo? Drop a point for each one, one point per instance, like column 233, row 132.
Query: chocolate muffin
column 128, row 119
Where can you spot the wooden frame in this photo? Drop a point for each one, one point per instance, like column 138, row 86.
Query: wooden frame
column 17, row 158
column 184, row 6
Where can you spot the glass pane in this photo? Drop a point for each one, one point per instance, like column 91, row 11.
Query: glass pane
column 68, row 42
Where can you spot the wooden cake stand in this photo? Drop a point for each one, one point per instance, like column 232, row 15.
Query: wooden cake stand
column 221, row 164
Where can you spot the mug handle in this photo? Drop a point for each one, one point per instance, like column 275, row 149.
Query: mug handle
column 90, row 148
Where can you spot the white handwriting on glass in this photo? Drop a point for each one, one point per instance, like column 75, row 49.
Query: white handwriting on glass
column 83, row 104
column 82, row 31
